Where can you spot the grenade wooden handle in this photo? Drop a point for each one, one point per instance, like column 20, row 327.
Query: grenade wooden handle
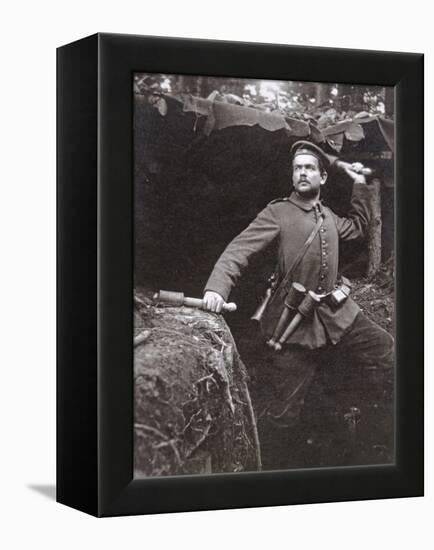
column 305, row 309
column 289, row 330
column 178, row 299
column 293, row 299
column 197, row 302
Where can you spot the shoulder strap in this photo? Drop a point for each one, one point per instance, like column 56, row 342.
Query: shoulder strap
column 303, row 250
column 280, row 199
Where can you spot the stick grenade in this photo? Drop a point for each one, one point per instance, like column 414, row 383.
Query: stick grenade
column 178, row 299
column 293, row 299
column 305, row 309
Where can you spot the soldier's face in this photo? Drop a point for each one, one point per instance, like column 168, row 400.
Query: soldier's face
column 307, row 176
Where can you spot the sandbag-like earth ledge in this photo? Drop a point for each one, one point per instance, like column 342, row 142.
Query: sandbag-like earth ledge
column 193, row 413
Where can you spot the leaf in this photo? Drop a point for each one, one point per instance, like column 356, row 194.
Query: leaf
column 232, row 98
column 213, row 96
column 162, row 106
column 362, row 114
column 336, row 141
column 354, row 132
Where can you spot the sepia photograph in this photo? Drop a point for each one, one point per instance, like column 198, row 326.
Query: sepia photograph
column 263, row 275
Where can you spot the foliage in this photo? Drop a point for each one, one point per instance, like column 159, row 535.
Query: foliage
column 322, row 104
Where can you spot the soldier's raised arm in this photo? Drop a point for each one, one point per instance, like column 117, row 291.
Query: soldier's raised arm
column 355, row 224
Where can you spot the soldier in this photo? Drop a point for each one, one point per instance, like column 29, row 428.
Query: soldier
column 332, row 328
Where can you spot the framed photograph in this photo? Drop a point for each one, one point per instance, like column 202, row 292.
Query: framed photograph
column 240, row 293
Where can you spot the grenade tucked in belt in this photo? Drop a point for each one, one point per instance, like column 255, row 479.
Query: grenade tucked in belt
column 300, row 304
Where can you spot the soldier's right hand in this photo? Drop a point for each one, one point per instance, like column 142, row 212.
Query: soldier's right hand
column 212, row 301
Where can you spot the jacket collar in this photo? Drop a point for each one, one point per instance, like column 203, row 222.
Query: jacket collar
column 295, row 199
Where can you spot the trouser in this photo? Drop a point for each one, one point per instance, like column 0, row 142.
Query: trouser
column 364, row 353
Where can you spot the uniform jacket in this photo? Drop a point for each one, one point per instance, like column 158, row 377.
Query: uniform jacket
column 290, row 221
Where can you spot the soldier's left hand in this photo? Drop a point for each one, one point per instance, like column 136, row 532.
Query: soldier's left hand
column 357, row 167
column 355, row 171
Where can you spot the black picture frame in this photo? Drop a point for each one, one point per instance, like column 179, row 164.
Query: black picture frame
column 95, row 274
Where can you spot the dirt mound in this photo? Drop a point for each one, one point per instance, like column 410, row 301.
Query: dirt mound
column 193, row 412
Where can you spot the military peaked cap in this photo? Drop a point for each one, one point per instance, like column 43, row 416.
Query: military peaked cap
column 307, row 148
